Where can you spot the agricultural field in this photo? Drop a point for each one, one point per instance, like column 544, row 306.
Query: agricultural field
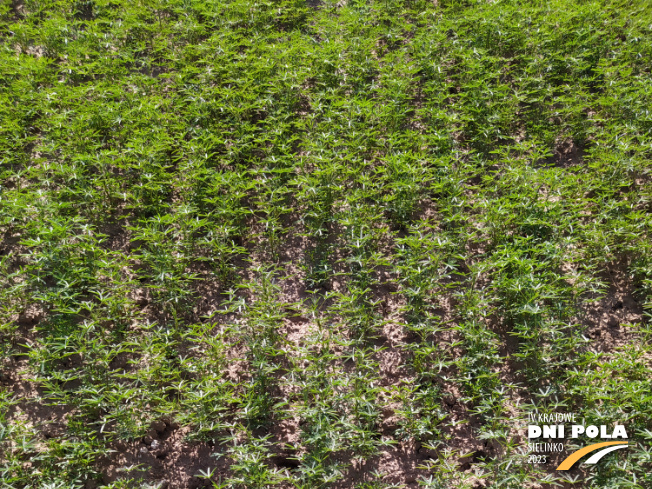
column 317, row 244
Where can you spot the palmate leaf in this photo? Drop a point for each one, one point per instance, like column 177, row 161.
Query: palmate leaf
column 457, row 188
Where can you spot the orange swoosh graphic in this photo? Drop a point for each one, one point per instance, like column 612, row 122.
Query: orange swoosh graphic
column 575, row 456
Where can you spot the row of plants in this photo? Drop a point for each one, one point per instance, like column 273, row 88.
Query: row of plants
column 212, row 213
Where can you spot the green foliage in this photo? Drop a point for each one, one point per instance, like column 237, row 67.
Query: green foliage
column 368, row 221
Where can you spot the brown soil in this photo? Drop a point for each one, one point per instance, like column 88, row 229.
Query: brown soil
column 165, row 459
column 609, row 321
